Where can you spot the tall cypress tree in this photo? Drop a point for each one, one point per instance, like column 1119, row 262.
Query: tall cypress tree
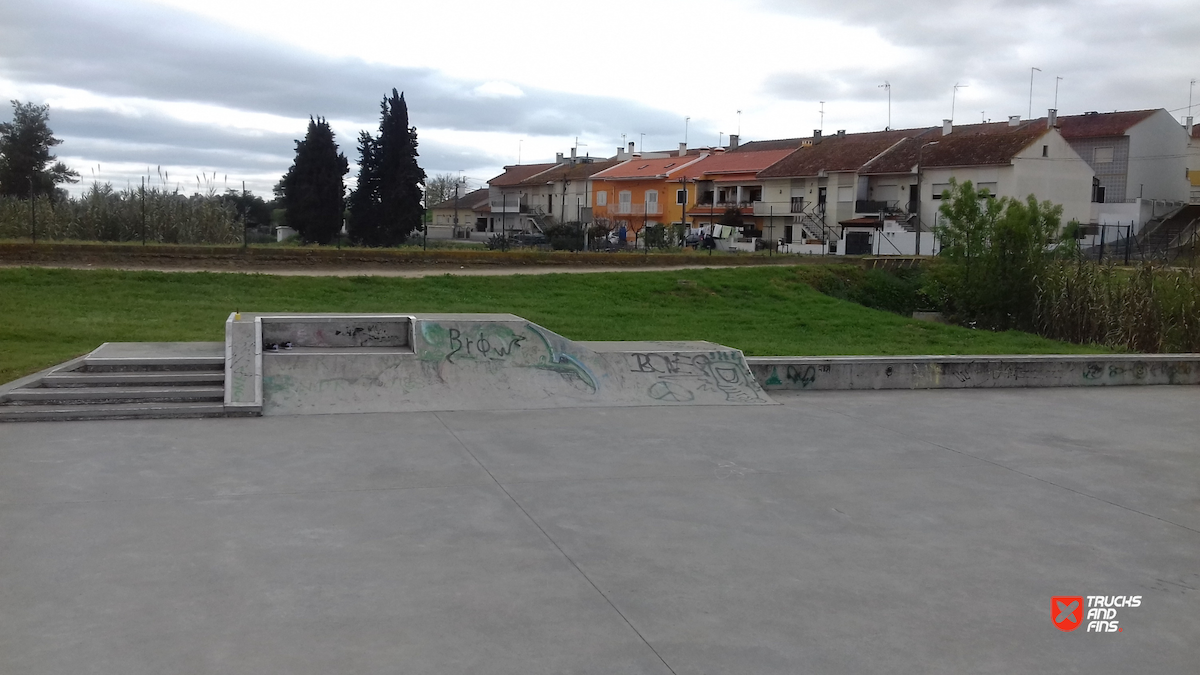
column 386, row 205
column 313, row 191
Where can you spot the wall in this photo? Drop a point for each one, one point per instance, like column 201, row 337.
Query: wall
column 1062, row 178
column 1158, row 159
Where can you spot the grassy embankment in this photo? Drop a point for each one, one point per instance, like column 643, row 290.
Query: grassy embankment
column 51, row 315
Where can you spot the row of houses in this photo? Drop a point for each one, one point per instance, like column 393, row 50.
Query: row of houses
column 873, row 192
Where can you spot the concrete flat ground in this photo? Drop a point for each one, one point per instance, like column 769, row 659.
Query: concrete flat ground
column 855, row 532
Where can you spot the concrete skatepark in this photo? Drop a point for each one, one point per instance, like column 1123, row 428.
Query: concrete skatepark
column 819, row 531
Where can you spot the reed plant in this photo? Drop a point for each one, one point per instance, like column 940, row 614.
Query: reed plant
column 158, row 214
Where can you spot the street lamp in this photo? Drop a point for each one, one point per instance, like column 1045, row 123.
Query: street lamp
column 920, row 156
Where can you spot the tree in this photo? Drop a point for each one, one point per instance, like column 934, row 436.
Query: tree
column 25, row 155
column 312, row 190
column 385, row 207
column 994, row 251
column 731, row 218
column 440, row 188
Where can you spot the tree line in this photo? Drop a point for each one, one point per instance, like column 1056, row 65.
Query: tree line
column 384, row 209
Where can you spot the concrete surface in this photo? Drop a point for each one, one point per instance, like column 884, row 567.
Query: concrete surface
column 778, row 373
column 364, row 363
column 840, row 532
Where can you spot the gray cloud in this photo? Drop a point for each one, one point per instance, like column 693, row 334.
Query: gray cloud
column 136, row 50
column 1112, row 56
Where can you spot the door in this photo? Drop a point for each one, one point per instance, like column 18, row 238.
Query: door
column 913, row 197
column 858, row 243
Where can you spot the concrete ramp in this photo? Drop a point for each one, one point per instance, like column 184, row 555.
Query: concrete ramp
column 421, row 362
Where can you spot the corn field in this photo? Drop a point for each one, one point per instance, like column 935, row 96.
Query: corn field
column 105, row 214
column 1146, row 309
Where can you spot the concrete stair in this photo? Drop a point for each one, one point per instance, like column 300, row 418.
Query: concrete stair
column 122, row 387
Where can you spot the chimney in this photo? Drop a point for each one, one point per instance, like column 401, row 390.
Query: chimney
column 1189, row 125
column 620, row 152
column 816, row 136
column 1052, row 118
column 947, row 127
column 1014, row 120
column 733, row 141
column 632, row 145
column 841, row 133
column 683, row 149
column 573, row 150
column 558, row 158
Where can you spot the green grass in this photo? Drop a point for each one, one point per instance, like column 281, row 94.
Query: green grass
column 51, row 315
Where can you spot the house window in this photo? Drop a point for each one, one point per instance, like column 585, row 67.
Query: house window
column 939, row 188
column 681, row 196
column 1045, row 151
column 601, row 198
column 625, row 197
column 651, row 201
column 549, row 203
column 846, row 193
column 990, row 187
column 1103, row 155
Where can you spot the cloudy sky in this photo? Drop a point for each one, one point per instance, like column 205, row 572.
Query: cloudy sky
column 224, row 87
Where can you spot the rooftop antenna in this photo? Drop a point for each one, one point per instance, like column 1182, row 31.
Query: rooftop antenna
column 1191, row 86
column 720, row 135
column 888, row 85
column 739, row 123
column 954, row 96
column 1056, row 81
column 1030, row 116
column 822, row 125
column 519, row 144
column 641, row 142
column 983, row 117
column 686, row 120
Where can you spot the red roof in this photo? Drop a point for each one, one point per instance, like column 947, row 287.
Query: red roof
column 518, row 172
column 728, row 163
column 837, row 153
column 578, row 171
column 474, row 200
column 1100, row 125
column 776, row 144
column 639, row 168
column 967, row 145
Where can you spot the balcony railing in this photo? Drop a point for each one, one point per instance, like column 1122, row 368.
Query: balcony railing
column 626, row 209
column 871, row 206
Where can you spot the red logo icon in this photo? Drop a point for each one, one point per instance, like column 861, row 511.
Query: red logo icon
column 1067, row 612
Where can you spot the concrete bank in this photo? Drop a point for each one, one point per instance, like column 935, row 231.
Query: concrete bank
column 781, row 373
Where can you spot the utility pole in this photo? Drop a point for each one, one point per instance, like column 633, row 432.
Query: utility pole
column 455, row 232
column 32, row 213
column 143, row 210
column 245, row 225
column 1031, row 71
column 888, row 85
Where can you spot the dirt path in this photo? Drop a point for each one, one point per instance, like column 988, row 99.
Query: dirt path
column 414, row 271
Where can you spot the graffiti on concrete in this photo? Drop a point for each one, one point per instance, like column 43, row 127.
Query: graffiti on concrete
column 494, row 348
column 680, row 375
column 570, row 368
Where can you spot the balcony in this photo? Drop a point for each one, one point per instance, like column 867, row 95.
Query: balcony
column 513, row 205
column 873, row 207
column 793, row 207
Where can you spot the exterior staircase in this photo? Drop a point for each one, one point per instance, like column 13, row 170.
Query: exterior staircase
column 109, row 384
column 1160, row 240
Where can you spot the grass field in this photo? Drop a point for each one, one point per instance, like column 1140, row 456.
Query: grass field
column 50, row 315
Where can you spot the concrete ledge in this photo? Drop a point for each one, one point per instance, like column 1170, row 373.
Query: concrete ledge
column 780, row 373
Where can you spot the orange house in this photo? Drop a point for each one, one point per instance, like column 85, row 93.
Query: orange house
column 641, row 192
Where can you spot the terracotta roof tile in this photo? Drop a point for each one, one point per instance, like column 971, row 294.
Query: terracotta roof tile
column 473, row 200
column 988, row 145
column 777, row 144
column 647, row 168
column 834, row 153
column 1099, row 125
column 578, row 171
column 518, row 172
column 729, row 163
